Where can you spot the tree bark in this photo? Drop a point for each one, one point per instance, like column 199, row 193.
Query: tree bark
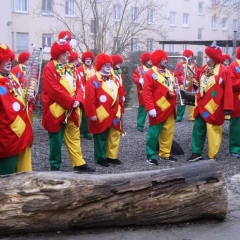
column 50, row 201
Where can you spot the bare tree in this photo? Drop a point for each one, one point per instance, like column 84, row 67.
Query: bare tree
column 109, row 25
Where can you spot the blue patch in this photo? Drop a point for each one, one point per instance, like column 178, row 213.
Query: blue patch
column 206, row 114
column 143, row 71
column 180, row 69
column 154, row 76
column 237, row 69
column 18, row 75
column 115, row 121
column 96, row 84
column 3, row 90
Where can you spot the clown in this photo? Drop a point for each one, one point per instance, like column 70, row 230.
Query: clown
column 214, row 99
column 16, row 132
column 160, row 102
column 103, row 106
column 138, row 79
column 86, row 71
column 62, row 99
column 179, row 73
column 234, row 126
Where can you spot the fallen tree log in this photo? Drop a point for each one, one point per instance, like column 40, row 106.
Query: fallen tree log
column 50, row 201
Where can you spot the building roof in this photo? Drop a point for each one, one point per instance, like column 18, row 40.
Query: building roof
column 220, row 43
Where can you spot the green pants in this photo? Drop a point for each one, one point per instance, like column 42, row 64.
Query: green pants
column 8, row 165
column 84, row 124
column 201, row 129
column 234, row 135
column 180, row 112
column 55, row 142
column 141, row 117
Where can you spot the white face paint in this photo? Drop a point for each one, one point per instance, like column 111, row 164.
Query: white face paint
column 106, row 69
column 207, row 59
column 64, row 58
column 5, row 66
column 117, row 65
column 164, row 63
column 88, row 61
column 75, row 63
column 226, row 62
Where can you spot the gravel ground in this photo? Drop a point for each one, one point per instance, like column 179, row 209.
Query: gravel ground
column 132, row 154
column 132, row 150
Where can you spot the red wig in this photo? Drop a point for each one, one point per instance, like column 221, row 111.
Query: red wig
column 73, row 56
column 188, row 53
column 101, row 60
column 23, row 57
column 117, row 59
column 238, row 53
column 66, row 35
column 6, row 53
column 226, row 57
column 145, row 57
column 215, row 53
column 158, row 56
column 59, row 48
column 87, row 54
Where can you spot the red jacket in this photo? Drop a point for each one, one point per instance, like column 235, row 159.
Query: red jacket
column 16, row 130
column 234, row 70
column 18, row 72
column 100, row 102
column 85, row 73
column 218, row 95
column 137, row 74
column 58, row 97
column 156, row 95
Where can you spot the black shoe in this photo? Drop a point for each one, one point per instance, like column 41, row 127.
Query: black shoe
column 234, row 155
column 103, row 163
column 195, row 157
column 170, row 159
column 83, row 168
column 88, row 136
column 152, row 161
column 55, row 169
column 140, row 129
column 114, row 161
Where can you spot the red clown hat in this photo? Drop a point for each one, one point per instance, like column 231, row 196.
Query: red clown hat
column 73, row 56
column 87, row 54
column 59, row 48
column 214, row 52
column 145, row 57
column 158, row 56
column 23, row 57
column 117, row 59
column 6, row 53
column 65, row 35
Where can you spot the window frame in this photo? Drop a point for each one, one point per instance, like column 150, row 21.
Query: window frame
column 117, row 12
column 186, row 19
column 68, row 9
column 20, row 4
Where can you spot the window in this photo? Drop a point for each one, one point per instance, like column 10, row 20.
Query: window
column 150, row 16
column 22, row 41
column 21, row 6
column 185, row 47
column 171, row 48
column 234, row 25
column 185, row 19
column 47, row 40
column 200, row 33
column 149, row 44
column 134, row 14
column 172, row 19
column 69, row 7
column 224, row 24
column 134, row 45
column 214, row 22
column 116, row 43
column 226, row 2
column 235, row 1
column 215, row 2
column 93, row 27
column 47, row 6
column 117, row 12
column 200, row 8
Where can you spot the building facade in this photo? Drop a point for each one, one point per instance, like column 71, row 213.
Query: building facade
column 38, row 22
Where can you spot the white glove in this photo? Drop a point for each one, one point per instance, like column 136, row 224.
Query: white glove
column 123, row 98
column 152, row 113
column 141, row 81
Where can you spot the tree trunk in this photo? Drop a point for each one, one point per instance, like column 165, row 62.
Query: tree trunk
column 49, row 201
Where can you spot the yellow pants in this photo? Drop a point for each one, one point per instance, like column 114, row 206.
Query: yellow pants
column 113, row 143
column 24, row 161
column 73, row 144
column 166, row 137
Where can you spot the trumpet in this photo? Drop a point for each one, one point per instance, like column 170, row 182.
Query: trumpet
column 67, row 115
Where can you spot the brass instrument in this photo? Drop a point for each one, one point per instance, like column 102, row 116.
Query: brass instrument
column 67, row 115
column 178, row 91
column 123, row 133
column 31, row 80
column 187, row 96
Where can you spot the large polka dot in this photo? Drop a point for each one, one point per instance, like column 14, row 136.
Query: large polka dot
column 154, row 76
column 96, row 84
column 115, row 121
column 214, row 93
column 103, row 98
column 16, row 106
column 3, row 90
column 206, row 114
